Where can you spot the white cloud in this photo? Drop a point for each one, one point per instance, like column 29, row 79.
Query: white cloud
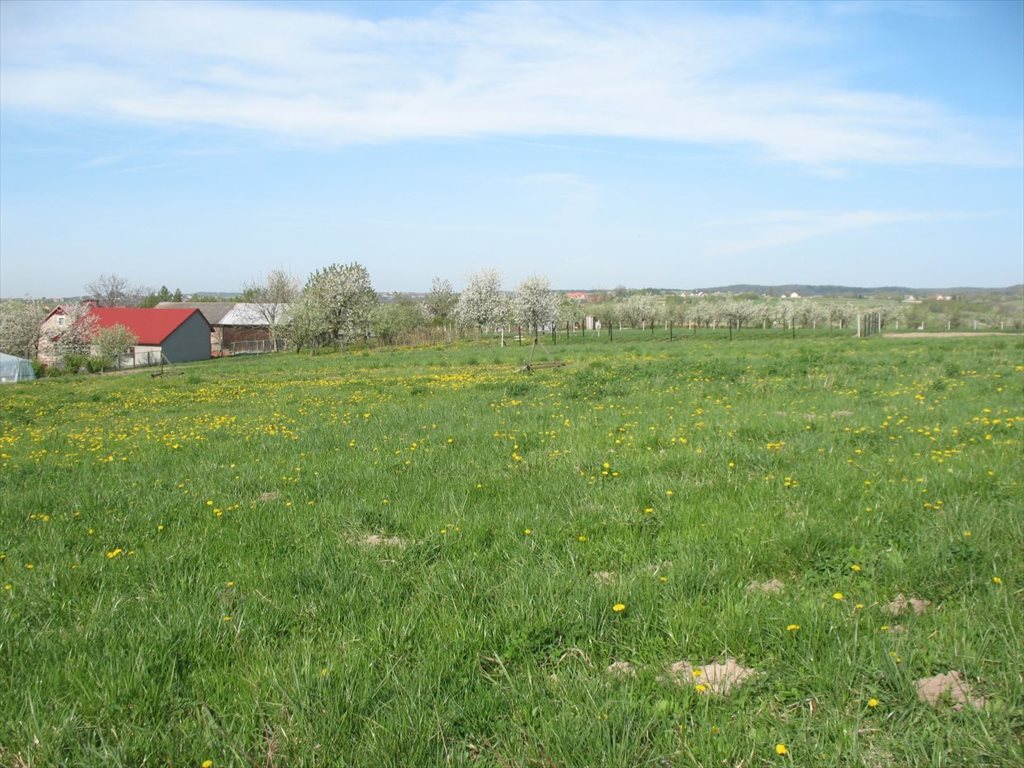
column 777, row 228
column 509, row 69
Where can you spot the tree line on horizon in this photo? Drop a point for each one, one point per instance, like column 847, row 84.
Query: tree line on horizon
column 337, row 306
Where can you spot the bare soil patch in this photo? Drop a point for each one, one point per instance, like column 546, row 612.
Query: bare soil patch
column 377, row 540
column 772, row 587
column 621, row 669
column 713, row 678
column 603, row 577
column 270, row 496
column 901, row 605
column 931, row 690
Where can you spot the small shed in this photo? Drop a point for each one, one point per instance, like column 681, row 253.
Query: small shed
column 236, row 327
column 14, row 369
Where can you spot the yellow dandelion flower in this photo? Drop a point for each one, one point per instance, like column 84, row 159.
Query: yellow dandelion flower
column 872, row 703
column 700, row 688
column 792, row 627
column 227, row 618
column 838, row 596
column 855, row 568
column 207, row 763
column 114, row 553
column 781, row 749
column 697, row 672
column 527, row 532
column 581, row 538
column 619, row 607
column 996, row 580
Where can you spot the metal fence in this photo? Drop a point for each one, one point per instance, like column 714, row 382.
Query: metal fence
column 257, row 346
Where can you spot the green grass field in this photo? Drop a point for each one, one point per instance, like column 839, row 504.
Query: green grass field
column 413, row 558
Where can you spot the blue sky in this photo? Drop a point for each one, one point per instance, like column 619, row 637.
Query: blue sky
column 199, row 145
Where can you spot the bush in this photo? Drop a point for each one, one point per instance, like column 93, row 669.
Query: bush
column 97, row 364
column 38, row 368
column 75, row 363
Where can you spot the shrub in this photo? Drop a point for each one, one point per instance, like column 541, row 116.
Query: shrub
column 75, row 363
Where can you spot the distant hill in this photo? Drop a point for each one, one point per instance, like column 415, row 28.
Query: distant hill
column 839, row 291
column 847, row 291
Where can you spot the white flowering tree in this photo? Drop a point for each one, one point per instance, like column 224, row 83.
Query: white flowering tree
column 441, row 302
column 77, row 333
column 639, row 310
column 335, row 306
column 571, row 312
column 480, row 304
column 19, row 327
column 307, row 325
column 534, row 305
column 115, row 342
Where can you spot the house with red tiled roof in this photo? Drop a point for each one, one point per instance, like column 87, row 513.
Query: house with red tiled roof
column 174, row 335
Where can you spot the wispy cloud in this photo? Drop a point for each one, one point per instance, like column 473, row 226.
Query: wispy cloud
column 508, row 69
column 100, row 161
column 925, row 8
column 777, row 228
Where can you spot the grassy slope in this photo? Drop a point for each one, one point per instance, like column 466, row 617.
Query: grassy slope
column 198, row 588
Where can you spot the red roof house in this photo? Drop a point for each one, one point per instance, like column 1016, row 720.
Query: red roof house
column 178, row 335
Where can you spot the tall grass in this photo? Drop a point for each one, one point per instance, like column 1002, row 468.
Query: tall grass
column 188, row 571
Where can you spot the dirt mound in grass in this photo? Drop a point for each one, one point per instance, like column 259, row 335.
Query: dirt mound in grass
column 373, row 540
column 376, row 540
column 931, row 690
column 901, row 605
column 621, row 669
column 772, row 587
column 712, row 678
column 270, row 496
column 603, row 577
